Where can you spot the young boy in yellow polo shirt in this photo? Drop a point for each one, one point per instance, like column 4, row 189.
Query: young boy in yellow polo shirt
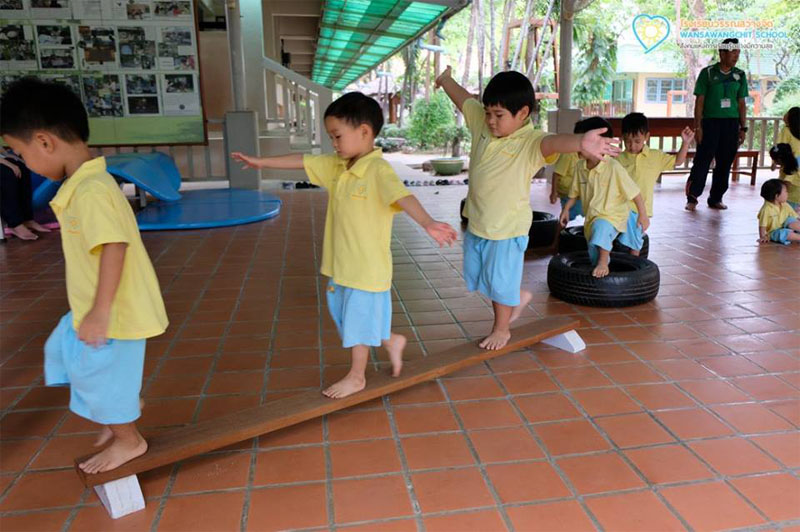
column 644, row 164
column 364, row 194
column 506, row 152
column 606, row 191
column 777, row 221
column 563, row 172
column 114, row 299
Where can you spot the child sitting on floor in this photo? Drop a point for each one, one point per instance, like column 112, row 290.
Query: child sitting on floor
column 777, row 221
column 644, row 164
column 788, row 162
column 606, row 190
column 114, row 299
column 364, row 194
column 506, row 153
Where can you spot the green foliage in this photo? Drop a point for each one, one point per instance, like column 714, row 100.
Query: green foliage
column 430, row 121
column 455, row 135
column 392, row 130
column 787, row 87
column 596, row 63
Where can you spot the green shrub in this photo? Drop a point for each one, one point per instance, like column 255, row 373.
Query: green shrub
column 430, row 121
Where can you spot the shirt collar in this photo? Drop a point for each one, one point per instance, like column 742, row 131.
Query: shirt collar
column 90, row 167
column 360, row 166
column 526, row 128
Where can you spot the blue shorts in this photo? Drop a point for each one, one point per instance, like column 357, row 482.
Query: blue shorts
column 362, row 318
column 782, row 235
column 104, row 382
column 576, row 210
column 494, row 267
column 604, row 233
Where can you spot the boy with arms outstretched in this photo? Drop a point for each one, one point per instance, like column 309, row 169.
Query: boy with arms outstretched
column 606, row 190
column 506, row 152
column 114, row 299
column 364, row 194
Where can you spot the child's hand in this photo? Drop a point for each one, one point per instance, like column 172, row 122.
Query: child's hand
column 93, row 328
column 553, row 197
column 442, row 233
column 563, row 218
column 763, row 239
column 249, row 161
column 594, row 144
column 687, row 135
column 448, row 73
column 644, row 222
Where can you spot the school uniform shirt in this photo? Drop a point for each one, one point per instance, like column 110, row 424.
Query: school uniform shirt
column 785, row 137
column 773, row 216
column 500, row 172
column 644, row 168
column 722, row 92
column 92, row 211
column 565, row 168
column 605, row 191
column 356, row 248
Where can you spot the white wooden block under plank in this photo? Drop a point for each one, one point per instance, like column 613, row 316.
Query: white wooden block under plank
column 121, row 497
column 569, row 341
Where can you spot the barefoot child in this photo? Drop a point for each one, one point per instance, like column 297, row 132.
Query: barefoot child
column 606, row 191
column 506, row 152
column 115, row 303
column 644, row 164
column 16, row 195
column 777, row 221
column 364, row 194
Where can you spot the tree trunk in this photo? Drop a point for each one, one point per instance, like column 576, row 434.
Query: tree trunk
column 502, row 61
column 694, row 62
column 481, row 29
column 492, row 45
column 523, row 32
column 470, row 37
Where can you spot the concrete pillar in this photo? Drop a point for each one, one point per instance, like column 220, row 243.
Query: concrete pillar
column 234, row 26
column 563, row 120
column 325, row 98
column 253, row 38
column 241, row 134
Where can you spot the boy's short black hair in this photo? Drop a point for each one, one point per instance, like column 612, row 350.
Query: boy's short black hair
column 635, row 123
column 725, row 47
column 793, row 119
column 782, row 154
column 594, row 122
column 30, row 105
column 771, row 189
column 356, row 108
column 512, row 91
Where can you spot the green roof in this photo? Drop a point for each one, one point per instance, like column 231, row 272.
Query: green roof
column 356, row 35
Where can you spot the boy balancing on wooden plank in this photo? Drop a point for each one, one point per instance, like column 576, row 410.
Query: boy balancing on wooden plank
column 364, row 194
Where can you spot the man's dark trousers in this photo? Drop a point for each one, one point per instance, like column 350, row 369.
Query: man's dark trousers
column 720, row 143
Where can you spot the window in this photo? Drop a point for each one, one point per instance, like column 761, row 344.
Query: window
column 623, row 90
column 656, row 90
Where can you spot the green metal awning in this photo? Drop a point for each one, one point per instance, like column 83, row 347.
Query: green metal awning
column 356, row 35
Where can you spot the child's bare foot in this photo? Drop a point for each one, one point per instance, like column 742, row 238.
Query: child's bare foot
column 36, row 226
column 601, row 270
column 118, row 453
column 524, row 298
column 23, row 233
column 395, row 345
column 349, row 385
column 104, row 436
column 496, row 340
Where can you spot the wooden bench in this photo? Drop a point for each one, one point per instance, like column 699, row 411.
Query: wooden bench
column 119, row 488
column 665, row 127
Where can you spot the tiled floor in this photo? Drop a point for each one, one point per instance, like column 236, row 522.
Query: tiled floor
column 680, row 414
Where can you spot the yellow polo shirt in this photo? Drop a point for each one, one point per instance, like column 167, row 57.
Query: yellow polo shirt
column 605, row 192
column 565, row 168
column 644, row 168
column 92, row 211
column 773, row 216
column 500, row 172
column 356, row 248
column 785, row 137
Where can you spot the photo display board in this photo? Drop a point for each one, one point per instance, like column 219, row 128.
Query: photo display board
column 134, row 63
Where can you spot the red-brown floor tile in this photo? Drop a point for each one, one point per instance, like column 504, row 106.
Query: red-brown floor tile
column 505, row 444
column 487, row 414
column 633, row 512
column 784, row 447
column 419, row 419
column 513, row 482
column 766, row 387
column 364, row 458
column 527, row 382
column 775, row 495
column 599, row 473
column 451, row 490
column 606, row 401
column 215, row 511
column 751, row 418
column 582, row 377
column 94, row 518
column 731, row 366
column 570, row 437
column 305, row 464
column 564, row 516
column 472, row 388
column 436, row 451
column 394, row 525
column 714, row 392
column 37, row 522
column 358, row 425
column 693, row 423
column 711, row 506
column 29, row 424
column 633, row 430
column 43, row 490
column 289, row 507
column 734, row 456
column 485, row 521
column 350, row 496
column 659, row 396
column 671, row 463
column 546, row 407
column 428, row 392
column 15, row 454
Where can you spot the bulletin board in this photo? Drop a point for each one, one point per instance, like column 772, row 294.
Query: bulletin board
column 134, row 63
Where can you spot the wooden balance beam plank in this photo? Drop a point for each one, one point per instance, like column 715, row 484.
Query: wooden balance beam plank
column 212, row 434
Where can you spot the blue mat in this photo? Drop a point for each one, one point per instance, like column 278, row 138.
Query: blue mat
column 202, row 209
column 154, row 173
column 43, row 191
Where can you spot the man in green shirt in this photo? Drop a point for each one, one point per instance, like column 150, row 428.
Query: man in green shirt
column 720, row 121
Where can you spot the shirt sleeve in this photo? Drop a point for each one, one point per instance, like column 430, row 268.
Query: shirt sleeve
column 783, row 135
column 321, row 169
column 100, row 219
column 389, row 186
column 701, row 86
column 743, row 92
column 763, row 216
column 562, row 165
column 474, row 116
column 668, row 161
column 537, row 157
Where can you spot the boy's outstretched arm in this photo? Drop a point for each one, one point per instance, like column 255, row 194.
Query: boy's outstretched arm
column 591, row 143
column 644, row 220
column 293, row 161
column 687, row 135
column 94, row 326
column 455, row 92
column 439, row 231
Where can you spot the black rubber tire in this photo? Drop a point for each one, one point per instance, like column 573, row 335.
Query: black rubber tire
column 572, row 239
column 464, row 219
column 632, row 281
column 543, row 230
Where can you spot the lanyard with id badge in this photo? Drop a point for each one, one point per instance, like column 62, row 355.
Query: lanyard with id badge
column 725, row 101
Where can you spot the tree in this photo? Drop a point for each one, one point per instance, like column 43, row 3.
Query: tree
column 431, row 121
column 595, row 37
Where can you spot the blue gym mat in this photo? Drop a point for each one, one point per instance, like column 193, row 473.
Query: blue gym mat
column 202, row 209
